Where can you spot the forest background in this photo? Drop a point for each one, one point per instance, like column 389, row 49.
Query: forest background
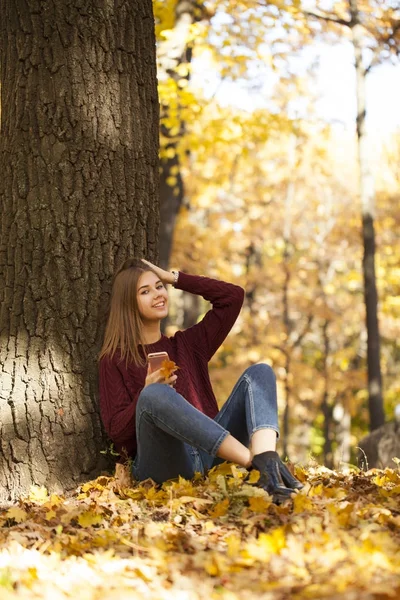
column 261, row 185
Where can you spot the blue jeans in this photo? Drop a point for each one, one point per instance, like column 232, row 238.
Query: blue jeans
column 174, row 438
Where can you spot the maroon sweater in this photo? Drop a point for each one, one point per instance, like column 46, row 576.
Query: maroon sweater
column 121, row 384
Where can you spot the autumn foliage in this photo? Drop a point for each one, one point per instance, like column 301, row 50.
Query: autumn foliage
column 271, row 202
column 213, row 537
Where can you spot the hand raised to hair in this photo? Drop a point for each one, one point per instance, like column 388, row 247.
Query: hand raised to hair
column 165, row 276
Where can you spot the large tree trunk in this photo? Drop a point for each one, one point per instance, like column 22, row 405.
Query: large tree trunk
column 375, row 399
column 79, row 193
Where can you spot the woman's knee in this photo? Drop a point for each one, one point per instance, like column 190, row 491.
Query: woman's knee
column 261, row 371
column 152, row 396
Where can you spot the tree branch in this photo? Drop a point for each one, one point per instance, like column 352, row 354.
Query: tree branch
column 385, row 40
column 324, row 17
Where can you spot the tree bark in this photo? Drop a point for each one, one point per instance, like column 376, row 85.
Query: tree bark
column 375, row 398
column 79, row 193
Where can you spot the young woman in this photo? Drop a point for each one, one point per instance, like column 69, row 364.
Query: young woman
column 172, row 426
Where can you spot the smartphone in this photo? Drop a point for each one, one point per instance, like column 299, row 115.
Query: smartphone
column 156, row 360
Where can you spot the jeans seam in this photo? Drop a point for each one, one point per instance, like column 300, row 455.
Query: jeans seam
column 225, row 406
column 251, row 402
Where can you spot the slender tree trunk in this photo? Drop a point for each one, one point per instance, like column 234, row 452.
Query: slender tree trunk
column 79, row 193
column 343, row 438
column 327, row 410
column 191, row 310
column 174, row 55
column 289, row 200
column 287, row 324
column 376, row 410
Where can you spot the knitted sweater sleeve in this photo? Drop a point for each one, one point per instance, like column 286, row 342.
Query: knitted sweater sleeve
column 117, row 407
column 226, row 299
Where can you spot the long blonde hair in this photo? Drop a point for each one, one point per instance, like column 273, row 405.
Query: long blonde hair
column 124, row 331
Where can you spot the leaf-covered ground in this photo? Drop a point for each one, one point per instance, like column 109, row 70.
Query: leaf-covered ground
column 218, row 537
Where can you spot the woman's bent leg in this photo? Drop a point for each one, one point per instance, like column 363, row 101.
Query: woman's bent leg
column 167, row 427
column 251, row 412
column 251, row 407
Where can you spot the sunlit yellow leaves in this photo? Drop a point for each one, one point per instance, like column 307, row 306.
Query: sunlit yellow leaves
column 50, row 515
column 319, row 540
column 233, row 544
column 259, row 505
column 266, row 545
column 215, row 565
column 19, row 515
column 344, row 513
column 38, row 494
column 89, row 518
column 301, row 503
column 387, row 478
column 220, row 509
column 254, row 476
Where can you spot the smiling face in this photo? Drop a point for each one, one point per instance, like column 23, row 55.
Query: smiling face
column 152, row 298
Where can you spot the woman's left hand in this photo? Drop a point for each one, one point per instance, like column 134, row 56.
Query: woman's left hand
column 165, row 276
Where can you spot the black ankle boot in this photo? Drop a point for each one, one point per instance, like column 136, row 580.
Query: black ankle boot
column 270, row 476
column 288, row 478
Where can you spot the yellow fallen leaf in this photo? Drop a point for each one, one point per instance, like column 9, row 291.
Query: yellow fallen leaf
column 55, row 500
column 237, row 474
column 211, row 568
column 266, row 544
column 220, row 509
column 343, row 513
column 123, row 476
column 316, row 490
column 168, row 368
column 18, row 514
column 157, row 496
column 254, row 476
column 394, row 491
column 216, row 565
column 222, row 469
column 208, row 526
column 301, row 503
column 89, row 518
column 182, row 487
column 259, row 505
column 37, row 494
column 50, row 515
column 233, row 544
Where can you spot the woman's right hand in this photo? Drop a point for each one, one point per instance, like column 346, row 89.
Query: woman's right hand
column 157, row 377
column 165, row 276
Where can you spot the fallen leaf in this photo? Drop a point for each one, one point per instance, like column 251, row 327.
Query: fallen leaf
column 89, row 518
column 18, row 514
column 220, row 509
column 253, row 477
column 37, row 494
column 259, row 505
column 168, row 368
